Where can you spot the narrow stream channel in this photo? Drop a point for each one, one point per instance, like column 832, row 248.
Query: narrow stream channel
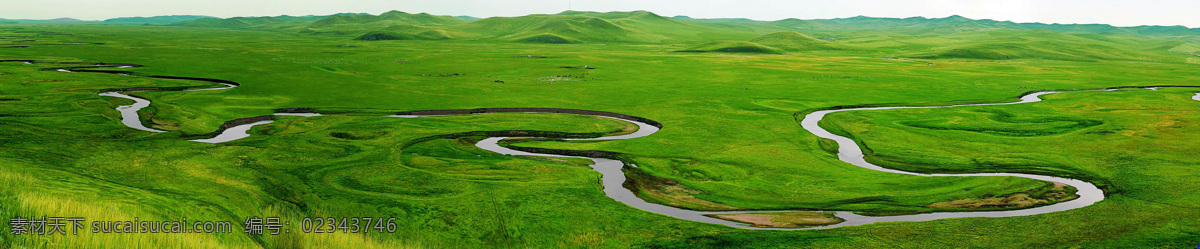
column 613, row 178
column 129, row 113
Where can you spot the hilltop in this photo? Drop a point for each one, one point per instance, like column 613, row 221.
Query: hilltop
column 956, row 23
column 468, row 18
column 360, row 23
column 565, row 27
column 262, row 23
column 572, row 26
column 644, row 26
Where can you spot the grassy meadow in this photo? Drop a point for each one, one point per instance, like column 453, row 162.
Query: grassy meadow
column 730, row 140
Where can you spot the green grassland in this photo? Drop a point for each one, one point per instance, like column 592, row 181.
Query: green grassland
column 730, row 141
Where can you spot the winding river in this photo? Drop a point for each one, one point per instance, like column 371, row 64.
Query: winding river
column 613, row 177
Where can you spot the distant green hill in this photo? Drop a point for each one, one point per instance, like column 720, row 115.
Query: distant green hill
column 953, row 37
column 344, row 24
column 573, row 26
column 398, row 35
column 649, row 27
column 565, row 27
column 951, row 24
column 546, row 38
column 381, row 36
column 264, row 22
column 732, row 47
column 468, row 18
column 793, row 41
column 557, row 28
column 1185, row 47
column 798, row 24
column 1036, row 44
column 408, row 32
column 735, row 24
column 156, row 19
column 390, row 17
column 910, row 26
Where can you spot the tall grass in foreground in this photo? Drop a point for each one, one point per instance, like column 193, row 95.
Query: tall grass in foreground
column 20, row 198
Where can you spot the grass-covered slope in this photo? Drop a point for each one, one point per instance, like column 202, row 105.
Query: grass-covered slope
column 792, row 41
column 732, row 47
column 572, row 26
column 278, row 23
column 156, row 19
column 410, row 32
column 955, row 23
column 1186, row 48
column 382, row 36
column 389, row 17
column 546, row 38
column 1038, row 44
column 647, row 27
column 590, row 27
column 360, row 23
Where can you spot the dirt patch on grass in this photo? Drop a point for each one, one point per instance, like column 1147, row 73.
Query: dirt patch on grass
column 668, row 192
column 1017, row 200
column 1059, row 192
column 628, row 129
column 782, row 219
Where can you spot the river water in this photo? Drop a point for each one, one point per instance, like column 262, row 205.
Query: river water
column 613, row 177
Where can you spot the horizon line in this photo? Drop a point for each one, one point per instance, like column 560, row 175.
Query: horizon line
column 565, row 11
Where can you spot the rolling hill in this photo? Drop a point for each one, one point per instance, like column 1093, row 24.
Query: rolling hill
column 468, row 18
column 566, row 27
column 1186, row 48
column 156, row 19
column 573, row 26
column 922, row 25
column 1034, row 44
column 732, row 47
column 953, row 37
column 261, row 23
column 793, row 41
column 349, row 24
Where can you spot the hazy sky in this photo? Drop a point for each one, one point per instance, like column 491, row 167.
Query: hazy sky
column 1120, row 13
